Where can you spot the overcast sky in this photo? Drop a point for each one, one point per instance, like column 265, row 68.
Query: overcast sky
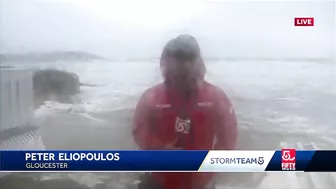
column 139, row 28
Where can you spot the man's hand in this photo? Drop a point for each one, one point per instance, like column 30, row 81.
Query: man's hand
column 172, row 146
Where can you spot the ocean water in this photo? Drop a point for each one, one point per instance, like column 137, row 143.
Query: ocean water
column 278, row 104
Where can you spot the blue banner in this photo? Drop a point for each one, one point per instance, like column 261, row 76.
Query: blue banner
column 101, row 160
column 181, row 160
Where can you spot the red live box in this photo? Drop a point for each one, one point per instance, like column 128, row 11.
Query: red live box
column 304, row 21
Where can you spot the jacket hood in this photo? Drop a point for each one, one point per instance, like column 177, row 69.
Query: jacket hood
column 164, row 72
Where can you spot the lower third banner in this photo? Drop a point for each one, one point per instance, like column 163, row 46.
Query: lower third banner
column 168, row 161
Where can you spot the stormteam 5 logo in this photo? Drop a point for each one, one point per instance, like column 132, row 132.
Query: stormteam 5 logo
column 288, row 159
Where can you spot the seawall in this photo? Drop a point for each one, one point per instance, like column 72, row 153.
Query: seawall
column 17, row 130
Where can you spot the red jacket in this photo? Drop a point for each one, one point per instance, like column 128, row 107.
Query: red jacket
column 213, row 126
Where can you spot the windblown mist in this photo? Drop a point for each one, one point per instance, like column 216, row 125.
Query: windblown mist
column 138, row 29
column 280, row 78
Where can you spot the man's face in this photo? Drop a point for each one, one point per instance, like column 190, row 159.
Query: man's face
column 182, row 68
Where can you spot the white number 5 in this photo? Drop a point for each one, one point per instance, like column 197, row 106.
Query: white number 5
column 286, row 156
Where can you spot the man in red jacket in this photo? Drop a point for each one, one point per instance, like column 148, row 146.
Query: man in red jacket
column 183, row 113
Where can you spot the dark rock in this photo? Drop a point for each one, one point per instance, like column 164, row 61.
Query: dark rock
column 52, row 84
